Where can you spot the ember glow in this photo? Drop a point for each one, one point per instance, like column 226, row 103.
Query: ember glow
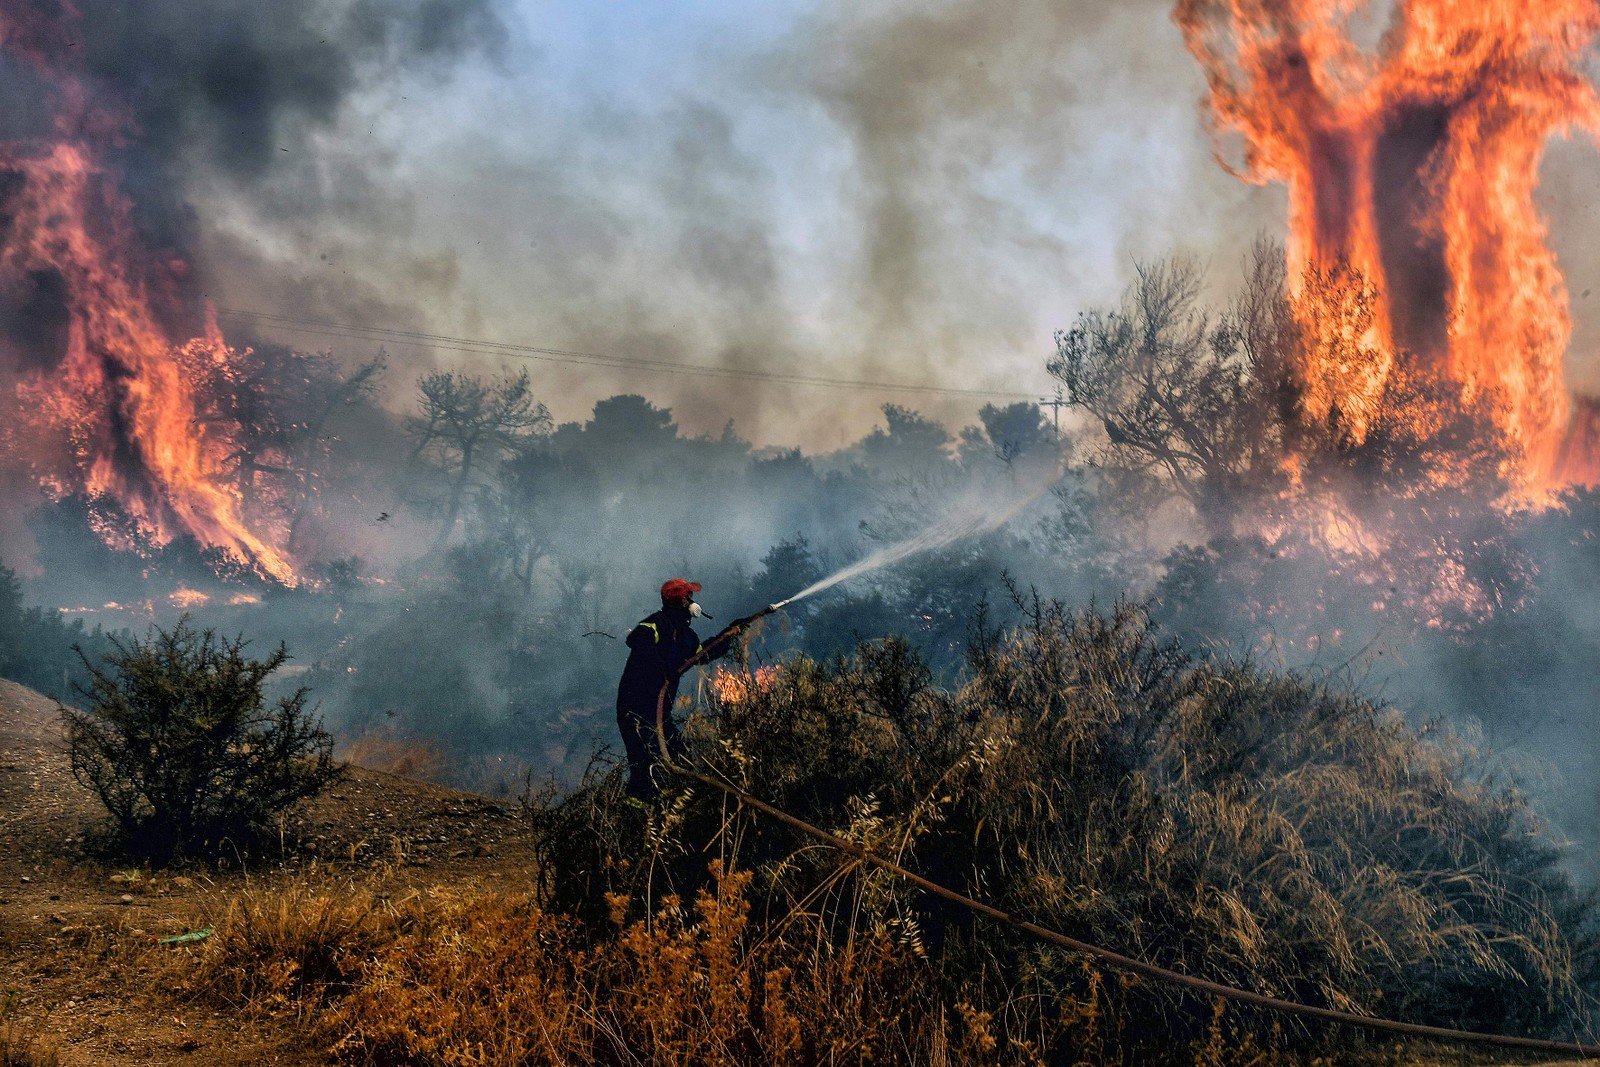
column 1414, row 164
column 115, row 415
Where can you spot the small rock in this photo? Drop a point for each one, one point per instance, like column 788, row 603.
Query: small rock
column 126, row 898
column 26, row 879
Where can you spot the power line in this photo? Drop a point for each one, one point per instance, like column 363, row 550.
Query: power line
column 478, row 346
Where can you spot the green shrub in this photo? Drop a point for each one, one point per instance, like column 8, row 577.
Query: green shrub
column 183, row 747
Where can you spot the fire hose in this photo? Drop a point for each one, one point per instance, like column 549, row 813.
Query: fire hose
column 1107, row 956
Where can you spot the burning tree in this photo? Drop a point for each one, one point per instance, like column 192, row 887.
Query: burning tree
column 1415, row 163
column 110, row 397
column 1220, row 407
column 279, row 405
column 1317, row 521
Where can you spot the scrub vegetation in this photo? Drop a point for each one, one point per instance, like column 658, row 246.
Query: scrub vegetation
column 185, row 750
column 1253, row 827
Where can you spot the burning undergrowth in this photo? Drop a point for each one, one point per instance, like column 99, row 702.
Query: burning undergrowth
column 1260, row 829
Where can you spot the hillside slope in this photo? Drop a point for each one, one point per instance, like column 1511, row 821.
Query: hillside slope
column 76, row 933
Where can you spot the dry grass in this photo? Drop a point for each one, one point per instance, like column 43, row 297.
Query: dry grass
column 464, row 975
column 388, row 750
column 471, row 975
column 22, row 1043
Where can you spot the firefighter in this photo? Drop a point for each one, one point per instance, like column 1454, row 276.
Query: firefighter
column 661, row 648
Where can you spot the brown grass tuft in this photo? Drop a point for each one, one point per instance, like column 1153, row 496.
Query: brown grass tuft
column 388, row 750
column 22, row 1041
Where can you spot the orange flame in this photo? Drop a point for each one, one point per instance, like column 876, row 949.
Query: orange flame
column 119, row 399
column 1414, row 163
column 736, row 687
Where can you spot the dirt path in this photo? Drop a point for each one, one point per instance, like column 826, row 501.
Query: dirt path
column 76, row 934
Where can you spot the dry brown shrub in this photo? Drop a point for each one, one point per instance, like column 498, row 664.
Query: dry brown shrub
column 476, row 976
column 1261, row 829
column 393, row 752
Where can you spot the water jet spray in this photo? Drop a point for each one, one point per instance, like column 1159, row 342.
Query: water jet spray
column 967, row 521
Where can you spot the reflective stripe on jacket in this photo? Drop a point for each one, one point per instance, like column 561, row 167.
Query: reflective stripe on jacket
column 657, row 647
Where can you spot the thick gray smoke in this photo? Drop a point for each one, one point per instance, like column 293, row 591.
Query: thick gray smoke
column 919, row 193
column 218, row 86
column 975, row 140
column 215, row 97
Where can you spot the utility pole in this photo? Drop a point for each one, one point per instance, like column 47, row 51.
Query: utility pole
column 1055, row 404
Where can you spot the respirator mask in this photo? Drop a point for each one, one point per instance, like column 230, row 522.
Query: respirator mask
column 696, row 611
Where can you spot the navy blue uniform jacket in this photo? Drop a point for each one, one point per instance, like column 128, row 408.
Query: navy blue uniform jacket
column 658, row 647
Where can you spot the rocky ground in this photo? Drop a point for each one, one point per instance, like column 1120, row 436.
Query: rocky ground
column 79, row 935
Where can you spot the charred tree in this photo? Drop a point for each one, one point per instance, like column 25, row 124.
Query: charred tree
column 1182, row 394
column 464, row 426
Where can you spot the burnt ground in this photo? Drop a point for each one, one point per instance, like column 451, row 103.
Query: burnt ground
column 77, row 932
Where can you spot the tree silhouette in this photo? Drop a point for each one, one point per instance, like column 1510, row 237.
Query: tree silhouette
column 464, row 425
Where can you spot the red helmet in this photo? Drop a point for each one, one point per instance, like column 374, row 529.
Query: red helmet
column 678, row 589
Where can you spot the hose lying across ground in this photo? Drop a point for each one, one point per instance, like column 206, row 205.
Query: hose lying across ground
column 1105, row 955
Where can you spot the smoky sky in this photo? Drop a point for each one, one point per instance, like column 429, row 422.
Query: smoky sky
column 918, row 192
column 889, row 191
column 221, row 87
